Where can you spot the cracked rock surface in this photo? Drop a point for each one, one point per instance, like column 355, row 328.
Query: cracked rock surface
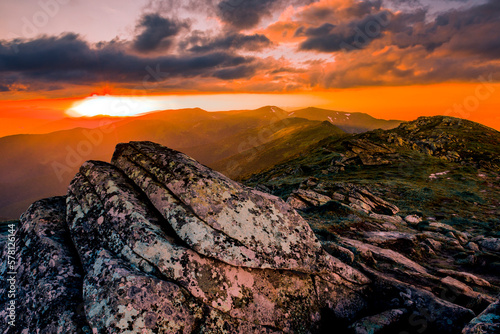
column 155, row 242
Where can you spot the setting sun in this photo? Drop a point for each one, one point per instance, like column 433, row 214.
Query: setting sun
column 113, row 106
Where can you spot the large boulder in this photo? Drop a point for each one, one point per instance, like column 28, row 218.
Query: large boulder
column 219, row 268
column 156, row 242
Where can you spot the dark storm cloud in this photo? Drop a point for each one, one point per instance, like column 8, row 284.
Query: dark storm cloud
column 356, row 34
column 473, row 31
column 329, row 13
column 157, row 32
column 68, row 58
column 409, row 46
column 235, row 41
column 239, row 14
column 414, row 46
column 362, row 8
column 243, row 71
column 246, row 14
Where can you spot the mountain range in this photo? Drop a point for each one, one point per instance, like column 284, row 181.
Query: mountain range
column 239, row 142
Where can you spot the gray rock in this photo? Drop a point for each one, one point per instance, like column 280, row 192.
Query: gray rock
column 427, row 313
column 413, row 219
column 490, row 244
column 434, row 244
column 488, row 322
column 156, row 242
column 339, row 252
column 473, row 246
column 303, row 199
column 209, row 244
column 466, row 277
column 378, row 323
column 49, row 277
column 395, row 220
column 368, row 251
column 389, row 237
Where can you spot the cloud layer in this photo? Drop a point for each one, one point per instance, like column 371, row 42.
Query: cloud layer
column 270, row 45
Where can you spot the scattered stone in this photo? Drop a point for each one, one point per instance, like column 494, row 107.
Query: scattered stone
column 366, row 250
column 471, row 298
column 466, row 277
column 304, row 199
column 381, row 238
column 413, row 219
column 473, row 246
column 434, row 244
column 389, row 219
column 490, row 244
column 378, row 323
column 434, row 315
column 339, row 252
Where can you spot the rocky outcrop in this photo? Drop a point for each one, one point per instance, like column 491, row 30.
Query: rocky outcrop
column 157, row 243
column 367, row 153
column 312, row 194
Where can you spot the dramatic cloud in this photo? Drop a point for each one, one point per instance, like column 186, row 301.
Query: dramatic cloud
column 243, row 71
column 271, row 45
column 70, row 59
column 473, row 31
column 354, row 35
column 235, row 41
column 246, row 14
column 157, row 32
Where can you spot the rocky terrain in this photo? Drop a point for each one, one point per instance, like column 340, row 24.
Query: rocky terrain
column 157, row 243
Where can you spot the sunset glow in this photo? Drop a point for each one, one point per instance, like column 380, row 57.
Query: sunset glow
column 113, row 106
column 386, row 58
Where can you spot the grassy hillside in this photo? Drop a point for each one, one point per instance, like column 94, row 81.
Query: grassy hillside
column 286, row 143
column 439, row 167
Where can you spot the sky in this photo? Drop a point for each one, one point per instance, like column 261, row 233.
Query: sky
column 394, row 59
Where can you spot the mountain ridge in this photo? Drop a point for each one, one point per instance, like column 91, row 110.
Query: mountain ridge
column 53, row 158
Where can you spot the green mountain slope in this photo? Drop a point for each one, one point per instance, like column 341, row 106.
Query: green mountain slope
column 440, row 167
column 289, row 141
